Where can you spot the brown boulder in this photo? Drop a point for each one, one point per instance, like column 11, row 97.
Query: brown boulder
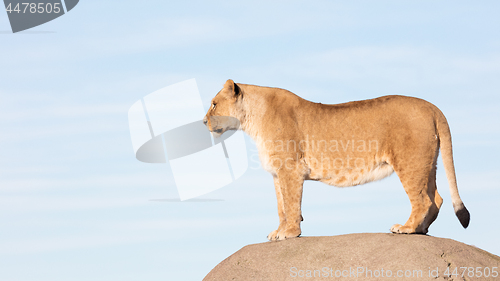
column 365, row 256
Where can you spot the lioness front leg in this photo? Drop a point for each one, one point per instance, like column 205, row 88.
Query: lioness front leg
column 281, row 211
column 291, row 183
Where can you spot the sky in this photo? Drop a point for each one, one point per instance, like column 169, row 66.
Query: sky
column 75, row 203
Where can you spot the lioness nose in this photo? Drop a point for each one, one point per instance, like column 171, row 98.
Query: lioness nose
column 205, row 120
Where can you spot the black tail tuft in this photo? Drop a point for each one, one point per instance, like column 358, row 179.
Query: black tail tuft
column 463, row 215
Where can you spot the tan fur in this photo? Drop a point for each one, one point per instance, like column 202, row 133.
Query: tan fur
column 342, row 145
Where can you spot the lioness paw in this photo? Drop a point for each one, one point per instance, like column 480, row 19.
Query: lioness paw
column 273, row 236
column 283, row 234
column 276, row 235
column 401, row 229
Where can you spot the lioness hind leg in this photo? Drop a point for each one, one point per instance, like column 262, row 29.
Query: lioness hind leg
column 420, row 186
column 436, row 200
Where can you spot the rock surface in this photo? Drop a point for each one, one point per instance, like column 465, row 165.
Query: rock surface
column 364, row 256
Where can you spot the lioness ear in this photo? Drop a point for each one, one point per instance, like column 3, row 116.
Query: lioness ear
column 233, row 87
column 229, row 85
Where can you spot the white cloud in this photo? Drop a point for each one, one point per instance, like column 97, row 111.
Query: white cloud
column 26, row 204
column 391, row 66
column 101, row 234
column 109, row 181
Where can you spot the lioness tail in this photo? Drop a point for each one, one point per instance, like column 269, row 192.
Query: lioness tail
column 447, row 154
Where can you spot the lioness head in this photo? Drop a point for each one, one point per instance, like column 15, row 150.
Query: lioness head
column 225, row 112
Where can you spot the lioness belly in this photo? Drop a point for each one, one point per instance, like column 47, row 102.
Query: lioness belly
column 355, row 176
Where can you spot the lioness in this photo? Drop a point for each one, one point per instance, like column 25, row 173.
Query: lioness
column 342, row 145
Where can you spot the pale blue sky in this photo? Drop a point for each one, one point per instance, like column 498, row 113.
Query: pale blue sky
column 75, row 203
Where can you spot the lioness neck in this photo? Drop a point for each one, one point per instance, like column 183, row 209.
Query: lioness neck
column 268, row 110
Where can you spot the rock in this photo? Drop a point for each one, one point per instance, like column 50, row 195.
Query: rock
column 365, row 256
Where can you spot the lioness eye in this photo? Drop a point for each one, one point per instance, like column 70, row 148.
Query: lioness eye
column 213, row 105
